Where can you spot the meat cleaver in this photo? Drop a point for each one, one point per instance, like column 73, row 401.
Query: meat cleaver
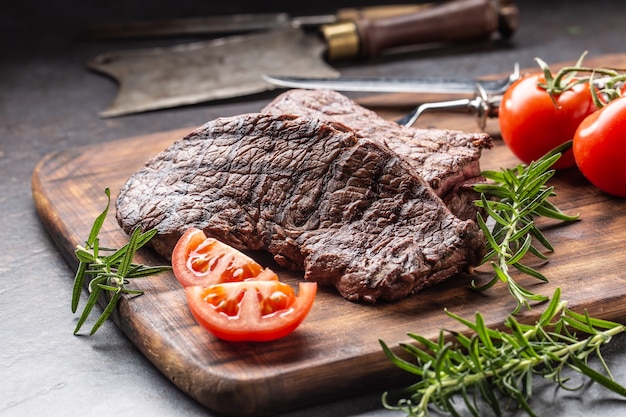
column 158, row 78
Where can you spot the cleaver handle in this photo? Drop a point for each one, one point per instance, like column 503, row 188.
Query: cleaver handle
column 458, row 20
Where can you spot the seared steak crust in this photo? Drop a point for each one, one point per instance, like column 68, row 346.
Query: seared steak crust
column 448, row 160
column 347, row 210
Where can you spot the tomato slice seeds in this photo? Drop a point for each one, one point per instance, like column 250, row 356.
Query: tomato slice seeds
column 250, row 311
column 232, row 296
column 201, row 260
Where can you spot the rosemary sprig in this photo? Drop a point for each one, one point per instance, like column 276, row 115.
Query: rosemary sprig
column 493, row 365
column 513, row 199
column 109, row 273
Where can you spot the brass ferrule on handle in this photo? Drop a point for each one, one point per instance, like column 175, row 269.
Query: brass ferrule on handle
column 342, row 40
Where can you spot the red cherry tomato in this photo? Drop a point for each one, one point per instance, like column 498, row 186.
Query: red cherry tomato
column 201, row 260
column 250, row 311
column 532, row 125
column 599, row 148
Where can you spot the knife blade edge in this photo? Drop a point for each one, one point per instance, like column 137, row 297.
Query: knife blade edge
column 393, row 84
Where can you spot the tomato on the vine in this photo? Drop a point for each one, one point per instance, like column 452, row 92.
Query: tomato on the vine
column 532, row 123
column 599, row 148
column 201, row 260
column 250, row 311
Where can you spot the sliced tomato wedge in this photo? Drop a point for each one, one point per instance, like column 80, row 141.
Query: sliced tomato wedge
column 250, row 311
column 201, row 260
column 234, row 297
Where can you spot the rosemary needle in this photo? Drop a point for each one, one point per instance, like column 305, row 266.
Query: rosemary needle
column 513, row 199
column 494, row 365
column 109, row 273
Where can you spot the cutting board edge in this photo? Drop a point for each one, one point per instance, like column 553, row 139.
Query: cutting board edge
column 47, row 212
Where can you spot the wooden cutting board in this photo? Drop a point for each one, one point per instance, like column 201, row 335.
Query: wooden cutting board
column 336, row 351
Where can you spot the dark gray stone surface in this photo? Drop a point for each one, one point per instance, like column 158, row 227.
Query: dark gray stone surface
column 49, row 101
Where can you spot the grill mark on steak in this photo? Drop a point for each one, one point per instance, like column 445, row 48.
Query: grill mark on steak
column 347, row 211
column 448, row 160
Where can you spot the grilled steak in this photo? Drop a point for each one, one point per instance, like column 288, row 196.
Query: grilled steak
column 448, row 160
column 345, row 209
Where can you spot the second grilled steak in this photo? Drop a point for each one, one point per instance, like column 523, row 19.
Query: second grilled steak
column 448, row 160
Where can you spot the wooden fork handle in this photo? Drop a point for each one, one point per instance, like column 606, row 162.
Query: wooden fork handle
column 458, row 20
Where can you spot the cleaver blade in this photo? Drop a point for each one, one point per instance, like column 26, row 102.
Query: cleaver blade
column 192, row 73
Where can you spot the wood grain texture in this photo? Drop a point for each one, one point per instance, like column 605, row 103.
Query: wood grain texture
column 336, row 351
